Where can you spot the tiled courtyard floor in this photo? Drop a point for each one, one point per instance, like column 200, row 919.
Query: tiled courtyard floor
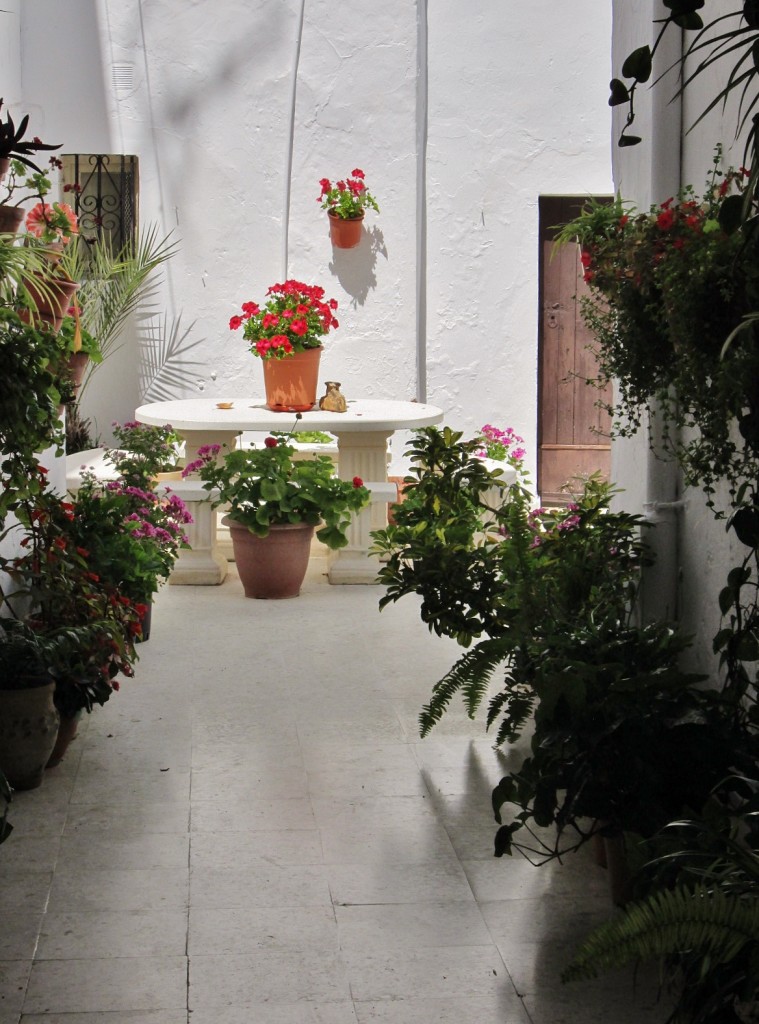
column 252, row 832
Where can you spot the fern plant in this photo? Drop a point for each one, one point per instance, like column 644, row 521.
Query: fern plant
column 705, row 930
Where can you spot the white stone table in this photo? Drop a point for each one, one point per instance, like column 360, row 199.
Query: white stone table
column 362, row 435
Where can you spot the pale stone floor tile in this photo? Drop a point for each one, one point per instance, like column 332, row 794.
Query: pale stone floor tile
column 501, row 1007
column 158, row 785
column 246, row 851
column 23, row 893
column 243, row 783
column 278, row 1013
column 119, row 819
column 243, row 930
column 438, row 973
column 119, row 889
column 360, row 884
column 367, row 929
column 314, row 976
column 265, row 886
column 107, row 1017
column 107, row 934
column 90, row 986
column 416, row 842
column 14, row 977
column 139, row 850
column 242, row 815
column 19, row 941
column 29, row 853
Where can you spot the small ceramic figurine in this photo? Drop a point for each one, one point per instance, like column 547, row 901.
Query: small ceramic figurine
column 334, row 400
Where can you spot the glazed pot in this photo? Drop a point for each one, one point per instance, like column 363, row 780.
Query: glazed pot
column 28, row 731
column 271, row 567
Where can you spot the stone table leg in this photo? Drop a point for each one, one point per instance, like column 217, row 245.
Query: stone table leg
column 361, row 454
column 204, row 564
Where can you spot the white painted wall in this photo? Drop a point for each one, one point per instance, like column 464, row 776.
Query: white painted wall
column 513, row 104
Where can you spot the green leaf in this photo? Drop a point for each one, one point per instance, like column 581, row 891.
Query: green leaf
column 628, row 140
column 690, row 22
column 726, row 598
column 619, row 92
column 638, row 64
column 745, row 522
column 503, row 839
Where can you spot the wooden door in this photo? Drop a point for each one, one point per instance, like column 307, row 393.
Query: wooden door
column 573, row 431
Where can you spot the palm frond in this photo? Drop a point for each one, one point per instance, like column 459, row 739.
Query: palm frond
column 165, row 370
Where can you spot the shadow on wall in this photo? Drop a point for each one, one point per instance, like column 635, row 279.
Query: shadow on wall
column 355, row 269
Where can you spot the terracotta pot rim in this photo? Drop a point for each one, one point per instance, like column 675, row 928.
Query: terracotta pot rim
column 336, row 216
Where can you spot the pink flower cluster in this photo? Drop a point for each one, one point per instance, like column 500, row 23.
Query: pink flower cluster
column 498, row 444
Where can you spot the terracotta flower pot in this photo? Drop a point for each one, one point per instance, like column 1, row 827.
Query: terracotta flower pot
column 10, row 219
column 28, row 731
column 67, row 731
column 52, row 299
column 290, row 383
column 271, row 567
column 345, row 232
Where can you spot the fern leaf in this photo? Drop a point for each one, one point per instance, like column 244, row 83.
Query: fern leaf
column 709, row 923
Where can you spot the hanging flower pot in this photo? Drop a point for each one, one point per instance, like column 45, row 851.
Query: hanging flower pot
column 291, row 383
column 271, row 567
column 345, row 232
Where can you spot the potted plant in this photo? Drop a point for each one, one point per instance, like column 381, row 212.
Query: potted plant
column 47, row 296
column 28, row 717
column 14, row 146
column 132, row 537
column 346, row 202
column 275, row 501
column 286, row 334
column 29, row 185
column 79, row 348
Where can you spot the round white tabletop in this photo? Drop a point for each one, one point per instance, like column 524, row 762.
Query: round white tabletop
column 363, row 414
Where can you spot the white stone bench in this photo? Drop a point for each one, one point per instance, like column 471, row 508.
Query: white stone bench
column 92, row 460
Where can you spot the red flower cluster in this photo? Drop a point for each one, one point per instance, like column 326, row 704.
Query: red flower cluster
column 294, row 318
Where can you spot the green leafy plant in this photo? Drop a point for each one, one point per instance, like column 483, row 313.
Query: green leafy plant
column 269, row 486
column 487, row 564
column 29, row 185
column 12, row 142
column 144, row 451
column 348, row 198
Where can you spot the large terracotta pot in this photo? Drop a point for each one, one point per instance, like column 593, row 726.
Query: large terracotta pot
column 77, row 365
column 10, row 219
column 54, row 300
column 291, row 382
column 271, row 567
column 5, row 165
column 345, row 232
column 28, row 730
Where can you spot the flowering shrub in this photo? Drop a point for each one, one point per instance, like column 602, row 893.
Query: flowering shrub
column 265, row 487
column 501, row 445
column 132, row 535
column 145, row 451
column 347, row 198
column 295, row 318
column 86, row 626
column 671, row 293
column 54, row 222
